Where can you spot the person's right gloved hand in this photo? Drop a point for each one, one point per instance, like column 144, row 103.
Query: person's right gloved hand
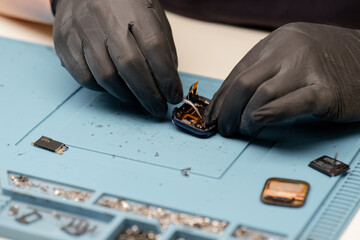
column 298, row 69
column 122, row 46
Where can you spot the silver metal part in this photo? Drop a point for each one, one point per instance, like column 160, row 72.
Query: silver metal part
column 165, row 216
column 13, row 210
column 29, row 218
column 24, row 182
column 246, row 233
column 76, row 227
column 187, row 101
column 186, row 171
column 73, row 195
column 135, row 233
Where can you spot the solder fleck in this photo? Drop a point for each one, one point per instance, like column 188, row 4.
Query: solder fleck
column 13, row 210
column 186, row 171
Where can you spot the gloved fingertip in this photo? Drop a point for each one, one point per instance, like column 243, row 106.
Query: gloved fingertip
column 261, row 117
column 209, row 119
column 209, row 115
column 225, row 133
column 206, row 118
column 250, row 131
column 248, row 127
column 172, row 89
column 226, row 130
column 158, row 110
column 176, row 97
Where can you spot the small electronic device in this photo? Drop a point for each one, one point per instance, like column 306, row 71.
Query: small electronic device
column 285, row 192
column 329, row 166
column 50, row 144
column 189, row 116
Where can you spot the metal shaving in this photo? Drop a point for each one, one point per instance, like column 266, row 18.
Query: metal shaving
column 250, row 234
column 74, row 195
column 186, row 171
column 24, row 182
column 13, row 210
column 21, row 181
column 134, row 233
column 165, row 216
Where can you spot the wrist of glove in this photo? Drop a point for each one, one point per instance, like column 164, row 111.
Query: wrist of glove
column 123, row 47
column 299, row 69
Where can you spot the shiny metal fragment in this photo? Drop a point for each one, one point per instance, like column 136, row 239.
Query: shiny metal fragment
column 137, row 234
column 73, row 195
column 24, row 182
column 246, row 233
column 21, row 181
column 186, row 171
column 164, row 216
column 13, row 210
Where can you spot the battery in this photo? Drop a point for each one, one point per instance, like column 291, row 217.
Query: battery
column 50, row 144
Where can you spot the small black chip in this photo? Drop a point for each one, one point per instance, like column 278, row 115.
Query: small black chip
column 329, row 166
column 51, row 145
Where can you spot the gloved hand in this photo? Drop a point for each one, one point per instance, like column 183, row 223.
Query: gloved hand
column 300, row 68
column 122, row 46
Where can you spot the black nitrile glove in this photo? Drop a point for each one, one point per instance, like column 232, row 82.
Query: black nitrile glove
column 300, row 68
column 122, row 46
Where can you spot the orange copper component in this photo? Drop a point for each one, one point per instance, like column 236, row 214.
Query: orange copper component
column 189, row 116
column 285, row 192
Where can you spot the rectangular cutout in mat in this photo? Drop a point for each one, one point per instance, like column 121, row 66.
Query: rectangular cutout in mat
column 104, row 125
column 51, row 223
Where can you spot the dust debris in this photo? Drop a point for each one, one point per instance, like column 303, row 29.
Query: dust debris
column 186, row 171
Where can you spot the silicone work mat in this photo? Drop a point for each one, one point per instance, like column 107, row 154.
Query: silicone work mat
column 125, row 168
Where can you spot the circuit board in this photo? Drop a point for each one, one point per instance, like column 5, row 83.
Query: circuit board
column 124, row 172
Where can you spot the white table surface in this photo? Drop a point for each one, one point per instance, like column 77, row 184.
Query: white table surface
column 203, row 48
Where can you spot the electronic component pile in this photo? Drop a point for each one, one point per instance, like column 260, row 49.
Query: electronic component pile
column 189, row 116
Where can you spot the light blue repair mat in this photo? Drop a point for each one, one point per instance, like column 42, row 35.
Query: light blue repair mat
column 116, row 151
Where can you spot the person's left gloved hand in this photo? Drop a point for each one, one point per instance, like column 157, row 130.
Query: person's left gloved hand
column 300, row 68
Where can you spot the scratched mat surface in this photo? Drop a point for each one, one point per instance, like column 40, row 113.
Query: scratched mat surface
column 122, row 174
